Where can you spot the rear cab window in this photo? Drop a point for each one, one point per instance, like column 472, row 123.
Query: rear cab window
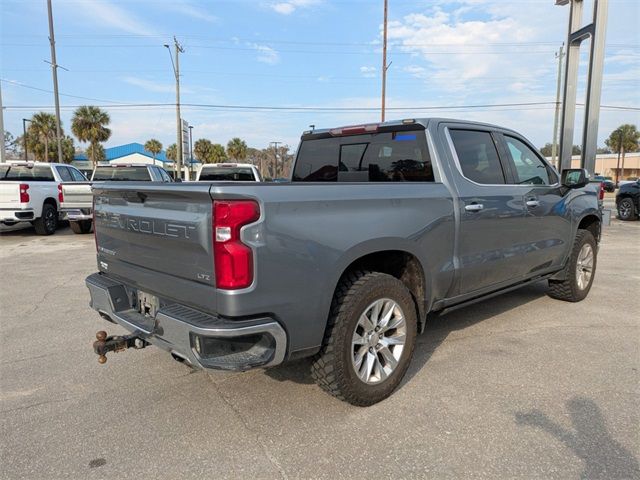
column 478, row 156
column 222, row 173
column 122, row 174
column 35, row 173
column 384, row 156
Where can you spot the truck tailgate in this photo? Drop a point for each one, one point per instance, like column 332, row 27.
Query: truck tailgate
column 9, row 194
column 154, row 227
column 76, row 195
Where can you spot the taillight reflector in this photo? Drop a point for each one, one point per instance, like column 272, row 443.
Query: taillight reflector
column 233, row 260
column 24, row 193
column 601, row 193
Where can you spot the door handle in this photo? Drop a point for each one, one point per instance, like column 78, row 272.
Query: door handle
column 532, row 203
column 474, row 207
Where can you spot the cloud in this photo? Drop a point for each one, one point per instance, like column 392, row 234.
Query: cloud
column 266, row 54
column 290, row 6
column 368, row 72
column 110, row 15
column 188, row 9
column 152, row 86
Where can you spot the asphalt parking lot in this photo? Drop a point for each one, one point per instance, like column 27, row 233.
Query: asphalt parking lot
column 517, row 386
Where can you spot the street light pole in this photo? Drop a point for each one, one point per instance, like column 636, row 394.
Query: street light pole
column 54, row 70
column 176, row 72
column 2, row 152
column 24, row 137
column 554, row 145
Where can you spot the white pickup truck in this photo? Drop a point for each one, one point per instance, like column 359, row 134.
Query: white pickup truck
column 31, row 192
column 77, row 198
column 228, row 172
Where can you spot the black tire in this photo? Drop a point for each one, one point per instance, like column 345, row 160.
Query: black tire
column 81, row 226
column 627, row 210
column 569, row 289
column 47, row 224
column 333, row 367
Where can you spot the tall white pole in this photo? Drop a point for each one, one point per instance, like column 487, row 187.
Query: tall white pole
column 54, row 70
column 2, row 152
column 384, row 62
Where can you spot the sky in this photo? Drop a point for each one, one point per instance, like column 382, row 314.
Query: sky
column 316, row 61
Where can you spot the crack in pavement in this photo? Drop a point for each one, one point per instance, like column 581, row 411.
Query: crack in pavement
column 272, row 459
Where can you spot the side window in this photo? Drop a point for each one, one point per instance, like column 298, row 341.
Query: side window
column 65, row 174
column 77, row 176
column 165, row 176
column 478, row 156
column 528, row 167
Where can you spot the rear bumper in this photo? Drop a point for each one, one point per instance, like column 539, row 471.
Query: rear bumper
column 16, row 215
column 78, row 214
column 204, row 341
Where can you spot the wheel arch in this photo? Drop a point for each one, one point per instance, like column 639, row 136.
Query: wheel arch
column 592, row 223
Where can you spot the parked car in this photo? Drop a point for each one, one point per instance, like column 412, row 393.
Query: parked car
column 77, row 199
column 627, row 180
column 609, row 185
column 628, row 201
column 228, row 172
column 31, row 192
column 380, row 225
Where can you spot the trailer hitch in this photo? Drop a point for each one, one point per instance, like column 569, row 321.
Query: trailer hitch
column 115, row 343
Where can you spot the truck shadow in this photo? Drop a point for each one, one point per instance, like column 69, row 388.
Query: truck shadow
column 603, row 457
column 437, row 330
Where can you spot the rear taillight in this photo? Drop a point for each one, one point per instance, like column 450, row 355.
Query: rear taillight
column 233, row 259
column 93, row 214
column 24, row 193
column 601, row 193
column 60, row 194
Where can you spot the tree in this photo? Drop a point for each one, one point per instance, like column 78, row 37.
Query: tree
column 203, row 150
column 154, row 146
column 237, row 149
column 68, row 150
column 89, row 124
column 172, row 152
column 218, row 155
column 546, row 150
column 625, row 138
column 41, row 131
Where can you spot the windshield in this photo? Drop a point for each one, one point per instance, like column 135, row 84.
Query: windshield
column 35, row 173
column 234, row 174
column 122, row 174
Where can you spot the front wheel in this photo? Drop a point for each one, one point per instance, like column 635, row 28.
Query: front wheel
column 579, row 272
column 626, row 209
column 369, row 341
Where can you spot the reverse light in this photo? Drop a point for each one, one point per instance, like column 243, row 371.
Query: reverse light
column 233, row 260
column 24, row 193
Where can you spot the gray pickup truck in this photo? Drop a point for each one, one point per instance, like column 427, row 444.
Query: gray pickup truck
column 380, row 225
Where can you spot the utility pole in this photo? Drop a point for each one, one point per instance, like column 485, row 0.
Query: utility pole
column 190, row 152
column 54, row 70
column 24, row 137
column 176, row 71
column 275, row 155
column 384, row 61
column 2, row 152
column 554, row 146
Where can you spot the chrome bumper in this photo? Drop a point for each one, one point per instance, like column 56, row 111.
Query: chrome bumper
column 76, row 215
column 186, row 332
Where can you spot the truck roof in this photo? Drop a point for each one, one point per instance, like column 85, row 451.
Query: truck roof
column 406, row 123
column 227, row 165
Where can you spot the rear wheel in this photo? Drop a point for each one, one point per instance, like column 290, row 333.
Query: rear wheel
column 579, row 272
column 48, row 221
column 81, row 226
column 626, row 209
column 369, row 341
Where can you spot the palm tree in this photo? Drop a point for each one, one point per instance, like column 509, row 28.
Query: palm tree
column 172, row 154
column 203, row 150
column 625, row 138
column 89, row 124
column 218, row 155
column 154, row 146
column 42, row 129
column 237, row 149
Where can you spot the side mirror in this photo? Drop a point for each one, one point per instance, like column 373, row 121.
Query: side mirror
column 575, row 177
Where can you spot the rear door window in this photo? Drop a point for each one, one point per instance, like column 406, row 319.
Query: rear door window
column 65, row 174
column 478, row 156
column 400, row 156
column 77, row 175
